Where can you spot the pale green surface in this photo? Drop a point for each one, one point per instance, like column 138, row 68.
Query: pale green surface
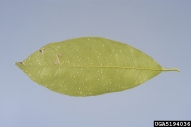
column 89, row 66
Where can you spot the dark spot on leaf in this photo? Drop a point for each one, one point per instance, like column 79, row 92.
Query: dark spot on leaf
column 59, row 55
column 41, row 50
column 20, row 62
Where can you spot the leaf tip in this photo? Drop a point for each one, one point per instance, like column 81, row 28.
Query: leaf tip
column 176, row 69
column 19, row 64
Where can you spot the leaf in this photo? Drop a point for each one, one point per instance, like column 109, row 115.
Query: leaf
column 89, row 66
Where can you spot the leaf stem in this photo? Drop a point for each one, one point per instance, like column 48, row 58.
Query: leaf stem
column 171, row 69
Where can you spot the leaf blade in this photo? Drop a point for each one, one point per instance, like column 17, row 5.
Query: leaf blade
column 89, row 66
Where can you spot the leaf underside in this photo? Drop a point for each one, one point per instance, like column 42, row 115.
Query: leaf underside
column 89, row 66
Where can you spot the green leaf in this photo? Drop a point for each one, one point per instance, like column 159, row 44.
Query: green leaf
column 89, row 66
